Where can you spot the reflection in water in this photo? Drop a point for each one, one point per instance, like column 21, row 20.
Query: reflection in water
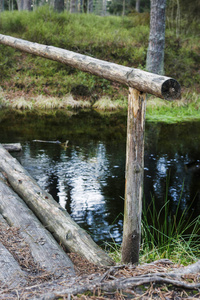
column 77, row 180
column 87, row 178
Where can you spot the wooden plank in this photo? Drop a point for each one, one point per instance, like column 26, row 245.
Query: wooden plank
column 134, row 176
column 160, row 86
column 50, row 213
column 11, row 274
column 44, row 249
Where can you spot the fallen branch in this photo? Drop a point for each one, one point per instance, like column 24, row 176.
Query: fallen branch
column 50, row 142
column 103, row 285
column 123, row 284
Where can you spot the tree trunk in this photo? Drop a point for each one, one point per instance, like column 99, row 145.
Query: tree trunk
column 90, row 6
column 155, row 53
column 137, row 5
column 27, row 5
column 73, row 6
column 43, row 246
column 104, row 8
column 123, row 7
column 134, row 176
column 1, row 5
column 50, row 213
column 59, row 5
column 160, row 86
column 24, row 5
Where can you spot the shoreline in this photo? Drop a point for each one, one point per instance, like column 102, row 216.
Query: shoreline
column 158, row 110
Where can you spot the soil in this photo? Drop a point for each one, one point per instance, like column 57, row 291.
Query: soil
column 43, row 285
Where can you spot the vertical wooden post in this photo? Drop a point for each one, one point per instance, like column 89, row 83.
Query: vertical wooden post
column 134, row 176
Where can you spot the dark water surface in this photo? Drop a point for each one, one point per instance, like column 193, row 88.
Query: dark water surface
column 87, row 178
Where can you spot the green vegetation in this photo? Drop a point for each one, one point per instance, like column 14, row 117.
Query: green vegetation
column 166, row 235
column 169, row 235
column 184, row 110
column 116, row 39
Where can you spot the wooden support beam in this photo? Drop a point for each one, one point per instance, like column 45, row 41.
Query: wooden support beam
column 50, row 213
column 134, row 176
column 160, row 86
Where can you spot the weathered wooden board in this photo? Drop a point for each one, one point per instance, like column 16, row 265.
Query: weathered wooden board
column 44, row 249
column 50, row 213
column 11, row 274
column 134, row 176
column 160, row 86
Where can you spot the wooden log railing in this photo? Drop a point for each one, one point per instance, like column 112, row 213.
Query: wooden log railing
column 139, row 83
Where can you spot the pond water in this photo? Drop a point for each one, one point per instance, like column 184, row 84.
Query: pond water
column 87, row 177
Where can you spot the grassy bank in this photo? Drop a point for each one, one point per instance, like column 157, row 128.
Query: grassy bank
column 166, row 236
column 121, row 40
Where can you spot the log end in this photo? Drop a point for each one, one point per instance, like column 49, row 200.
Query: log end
column 171, row 90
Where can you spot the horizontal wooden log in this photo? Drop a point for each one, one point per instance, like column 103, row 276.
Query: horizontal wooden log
column 13, row 147
column 160, row 86
column 50, row 213
column 11, row 274
column 44, row 249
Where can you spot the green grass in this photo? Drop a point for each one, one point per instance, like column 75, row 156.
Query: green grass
column 172, row 236
column 184, row 110
column 168, row 235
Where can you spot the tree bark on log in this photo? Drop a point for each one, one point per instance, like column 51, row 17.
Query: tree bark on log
column 160, row 86
column 50, row 213
column 13, row 147
column 44, row 249
column 10, row 271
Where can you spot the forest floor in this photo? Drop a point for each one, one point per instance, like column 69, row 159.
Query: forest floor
column 86, row 284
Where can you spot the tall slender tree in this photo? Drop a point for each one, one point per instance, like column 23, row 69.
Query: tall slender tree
column 155, row 52
column 137, row 5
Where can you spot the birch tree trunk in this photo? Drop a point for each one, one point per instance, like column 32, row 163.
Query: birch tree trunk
column 155, row 53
